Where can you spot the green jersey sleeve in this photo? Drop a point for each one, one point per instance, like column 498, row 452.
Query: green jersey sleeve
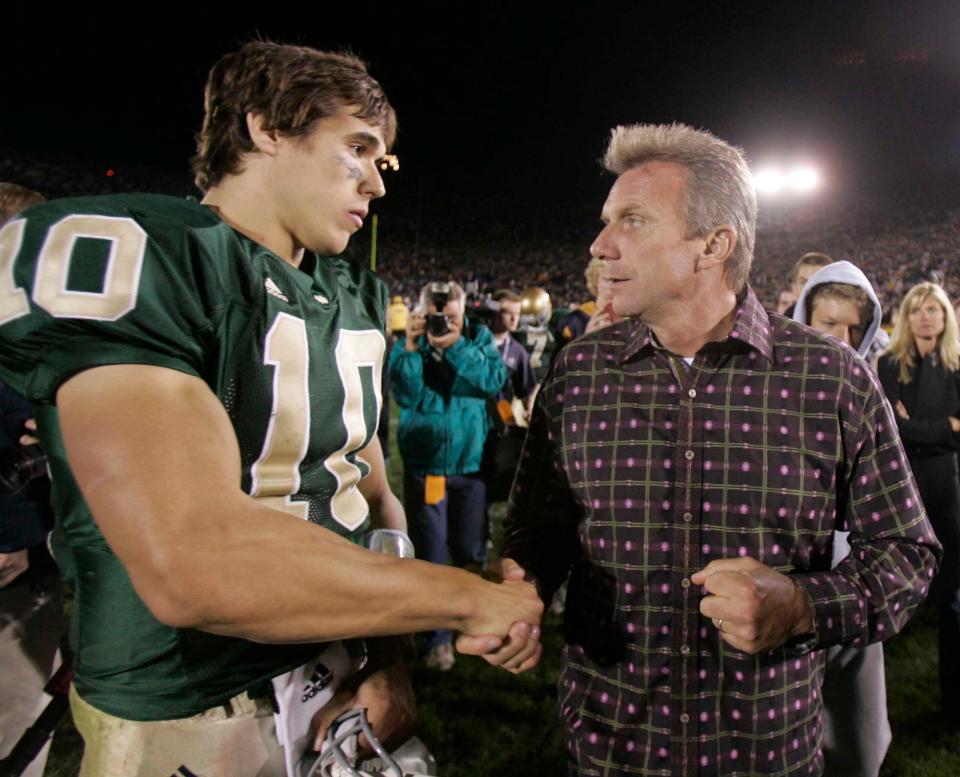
column 96, row 281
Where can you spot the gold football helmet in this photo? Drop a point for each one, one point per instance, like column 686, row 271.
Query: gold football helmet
column 535, row 307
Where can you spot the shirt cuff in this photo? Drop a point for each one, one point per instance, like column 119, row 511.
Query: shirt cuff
column 838, row 608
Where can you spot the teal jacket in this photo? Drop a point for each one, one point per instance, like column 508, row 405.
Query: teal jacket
column 443, row 402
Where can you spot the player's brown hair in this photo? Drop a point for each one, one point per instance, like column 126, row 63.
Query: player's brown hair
column 292, row 88
column 15, row 198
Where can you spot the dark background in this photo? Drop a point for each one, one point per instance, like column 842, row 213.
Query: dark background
column 516, row 100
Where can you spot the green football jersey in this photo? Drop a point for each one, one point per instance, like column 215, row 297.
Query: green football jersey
column 541, row 344
column 294, row 355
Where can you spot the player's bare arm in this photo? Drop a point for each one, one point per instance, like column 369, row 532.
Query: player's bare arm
column 156, row 458
column 386, row 512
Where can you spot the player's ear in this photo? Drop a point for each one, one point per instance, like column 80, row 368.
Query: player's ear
column 264, row 140
column 717, row 247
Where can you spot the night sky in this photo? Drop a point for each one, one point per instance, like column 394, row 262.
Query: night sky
column 518, row 103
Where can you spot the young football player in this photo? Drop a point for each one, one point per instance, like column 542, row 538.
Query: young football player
column 207, row 390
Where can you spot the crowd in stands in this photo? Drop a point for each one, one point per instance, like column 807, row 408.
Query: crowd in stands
column 898, row 243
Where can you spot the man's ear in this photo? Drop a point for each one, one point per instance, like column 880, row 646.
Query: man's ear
column 717, row 247
column 264, row 140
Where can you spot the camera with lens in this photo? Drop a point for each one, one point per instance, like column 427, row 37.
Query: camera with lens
column 438, row 324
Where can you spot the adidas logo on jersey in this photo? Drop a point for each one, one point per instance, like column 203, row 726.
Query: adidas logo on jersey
column 320, row 679
column 273, row 290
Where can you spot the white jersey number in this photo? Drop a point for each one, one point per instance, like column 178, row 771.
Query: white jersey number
column 276, row 474
column 128, row 243
column 539, row 341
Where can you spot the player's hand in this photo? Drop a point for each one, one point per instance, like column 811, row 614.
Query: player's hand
column 388, row 698
column 902, row 411
column 12, row 565
column 755, row 607
column 521, row 648
column 416, row 326
column 445, row 341
column 29, row 439
column 954, row 423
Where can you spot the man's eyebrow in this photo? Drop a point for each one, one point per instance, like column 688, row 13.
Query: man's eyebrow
column 621, row 210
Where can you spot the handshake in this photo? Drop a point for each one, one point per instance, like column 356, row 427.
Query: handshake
column 506, row 629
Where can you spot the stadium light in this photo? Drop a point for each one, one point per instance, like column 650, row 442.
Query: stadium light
column 802, row 179
column 769, row 180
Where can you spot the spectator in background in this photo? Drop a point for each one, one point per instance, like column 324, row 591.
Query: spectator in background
column 31, row 602
column 575, row 322
column 15, row 198
column 510, row 408
column 839, row 300
column 535, row 334
column 805, row 267
column 921, row 376
column 397, row 316
column 442, row 375
column 785, row 300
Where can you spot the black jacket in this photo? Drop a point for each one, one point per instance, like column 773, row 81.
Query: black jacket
column 930, row 397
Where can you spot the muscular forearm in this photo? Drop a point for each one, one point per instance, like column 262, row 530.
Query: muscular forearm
column 162, row 481
column 270, row 578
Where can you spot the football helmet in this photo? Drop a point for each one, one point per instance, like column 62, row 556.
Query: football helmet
column 338, row 755
column 535, row 307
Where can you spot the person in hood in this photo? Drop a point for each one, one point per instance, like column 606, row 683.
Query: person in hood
column 839, row 300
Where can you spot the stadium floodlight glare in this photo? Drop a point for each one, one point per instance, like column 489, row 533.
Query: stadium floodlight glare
column 769, row 180
column 801, row 179
column 804, row 179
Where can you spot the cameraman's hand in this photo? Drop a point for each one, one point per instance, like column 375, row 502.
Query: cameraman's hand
column 445, row 341
column 416, row 326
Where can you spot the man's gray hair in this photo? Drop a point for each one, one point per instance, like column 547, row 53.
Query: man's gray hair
column 719, row 184
column 456, row 293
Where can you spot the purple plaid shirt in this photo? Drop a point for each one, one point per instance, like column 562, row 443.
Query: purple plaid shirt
column 638, row 470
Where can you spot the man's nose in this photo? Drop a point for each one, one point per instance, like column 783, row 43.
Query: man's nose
column 602, row 247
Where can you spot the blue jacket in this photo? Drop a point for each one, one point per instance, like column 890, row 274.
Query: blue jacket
column 443, row 402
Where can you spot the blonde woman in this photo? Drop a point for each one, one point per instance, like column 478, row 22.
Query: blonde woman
column 920, row 373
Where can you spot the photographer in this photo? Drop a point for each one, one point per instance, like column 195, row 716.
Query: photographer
column 442, row 375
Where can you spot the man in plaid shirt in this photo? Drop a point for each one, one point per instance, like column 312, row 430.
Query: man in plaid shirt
column 687, row 468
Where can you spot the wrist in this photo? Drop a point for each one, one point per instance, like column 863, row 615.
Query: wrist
column 803, row 620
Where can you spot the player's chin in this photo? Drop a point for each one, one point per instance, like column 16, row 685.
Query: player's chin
column 332, row 244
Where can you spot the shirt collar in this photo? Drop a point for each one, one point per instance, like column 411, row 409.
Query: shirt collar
column 751, row 326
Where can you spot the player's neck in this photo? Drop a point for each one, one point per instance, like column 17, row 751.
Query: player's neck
column 239, row 207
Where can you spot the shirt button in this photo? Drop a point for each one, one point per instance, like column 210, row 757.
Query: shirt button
column 685, row 650
column 692, row 393
column 684, row 718
column 685, row 583
column 688, row 517
column 688, row 455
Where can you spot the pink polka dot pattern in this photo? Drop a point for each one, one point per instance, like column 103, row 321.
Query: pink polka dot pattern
column 655, row 478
